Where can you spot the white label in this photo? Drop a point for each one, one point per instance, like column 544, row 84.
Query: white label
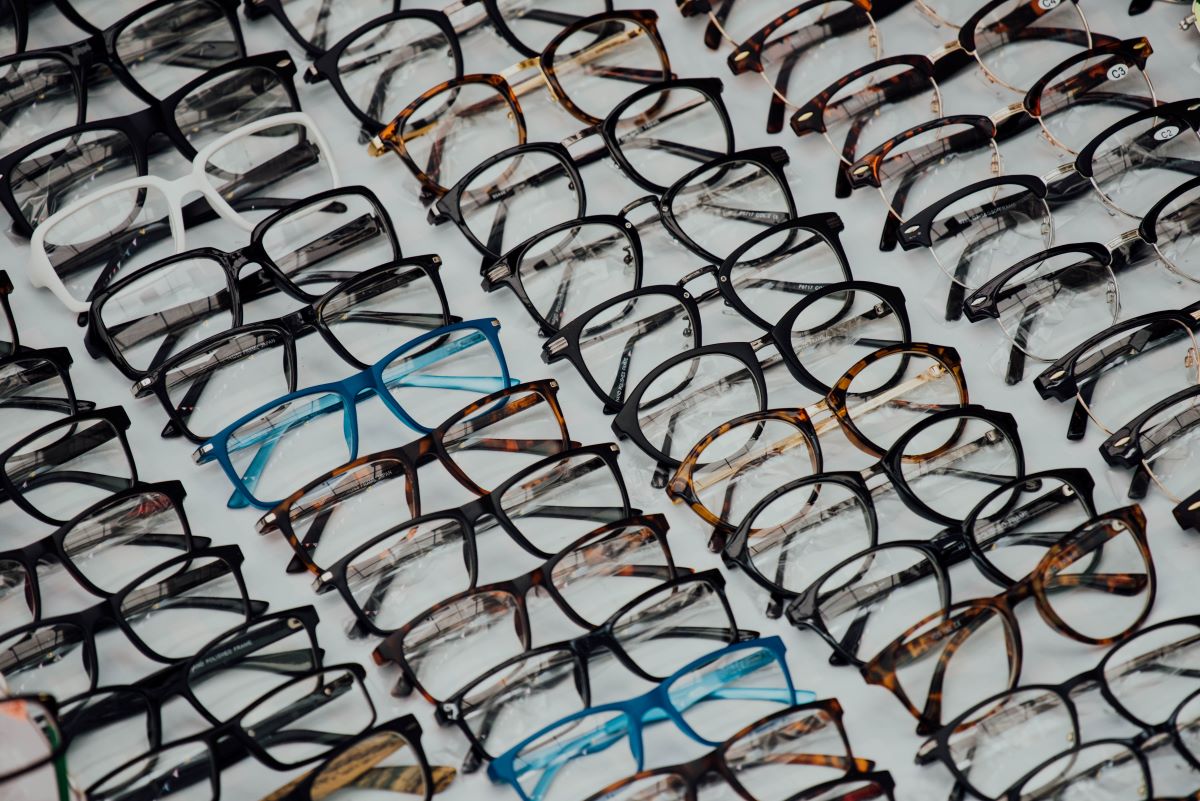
column 1165, row 133
column 1046, row 5
column 1117, row 72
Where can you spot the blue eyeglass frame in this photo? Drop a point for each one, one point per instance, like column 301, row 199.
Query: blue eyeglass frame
column 350, row 391
column 652, row 707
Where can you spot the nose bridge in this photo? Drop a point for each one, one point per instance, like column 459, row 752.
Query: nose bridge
column 300, row 321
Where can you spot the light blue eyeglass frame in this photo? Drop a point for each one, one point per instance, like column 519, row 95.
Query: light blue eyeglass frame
column 345, row 395
column 652, row 707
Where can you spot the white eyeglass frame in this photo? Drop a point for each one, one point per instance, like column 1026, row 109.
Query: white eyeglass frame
column 41, row 272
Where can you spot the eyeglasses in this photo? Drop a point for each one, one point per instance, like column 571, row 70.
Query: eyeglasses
column 802, row 748
column 151, row 52
column 440, row 649
column 542, row 508
column 526, row 30
column 652, row 637
column 559, row 272
column 899, row 92
column 480, row 446
column 910, row 169
column 1113, row 765
column 389, row 756
column 587, row 68
column 614, row 344
column 35, row 388
column 1142, row 680
column 1115, row 374
column 166, row 614
column 859, row 605
column 1155, row 445
column 513, row 195
column 89, row 240
column 104, row 547
column 809, row 45
column 51, row 172
column 305, row 250
column 295, row 724
column 104, row 726
column 359, row 320
column 691, row 394
column 55, row 472
column 278, row 446
column 1096, row 586
column 754, row 673
column 765, row 470
column 654, row 135
column 1050, row 301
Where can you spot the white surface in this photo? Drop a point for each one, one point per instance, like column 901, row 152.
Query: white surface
column 879, row 728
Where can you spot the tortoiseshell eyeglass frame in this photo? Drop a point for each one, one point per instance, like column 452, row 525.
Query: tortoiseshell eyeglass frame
column 357, row 766
column 941, row 746
column 393, row 135
column 467, row 517
column 947, row 630
column 540, row 580
column 367, row 471
column 690, row 777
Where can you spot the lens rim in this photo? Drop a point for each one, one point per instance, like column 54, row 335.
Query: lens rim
column 406, row 728
column 804, row 611
column 1077, row 478
column 682, row 487
column 111, row 35
column 566, row 344
column 645, row 19
column 1133, row 519
column 893, row 461
column 710, row 88
column 737, row 549
column 771, row 160
column 626, row 424
column 835, row 401
column 781, row 332
column 173, row 491
column 504, row 273
column 114, row 416
column 448, row 203
column 392, row 138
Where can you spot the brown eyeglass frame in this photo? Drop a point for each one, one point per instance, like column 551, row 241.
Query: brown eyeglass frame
column 392, row 650
column 961, row 619
column 390, row 138
column 363, row 770
column 715, row 762
column 408, row 458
